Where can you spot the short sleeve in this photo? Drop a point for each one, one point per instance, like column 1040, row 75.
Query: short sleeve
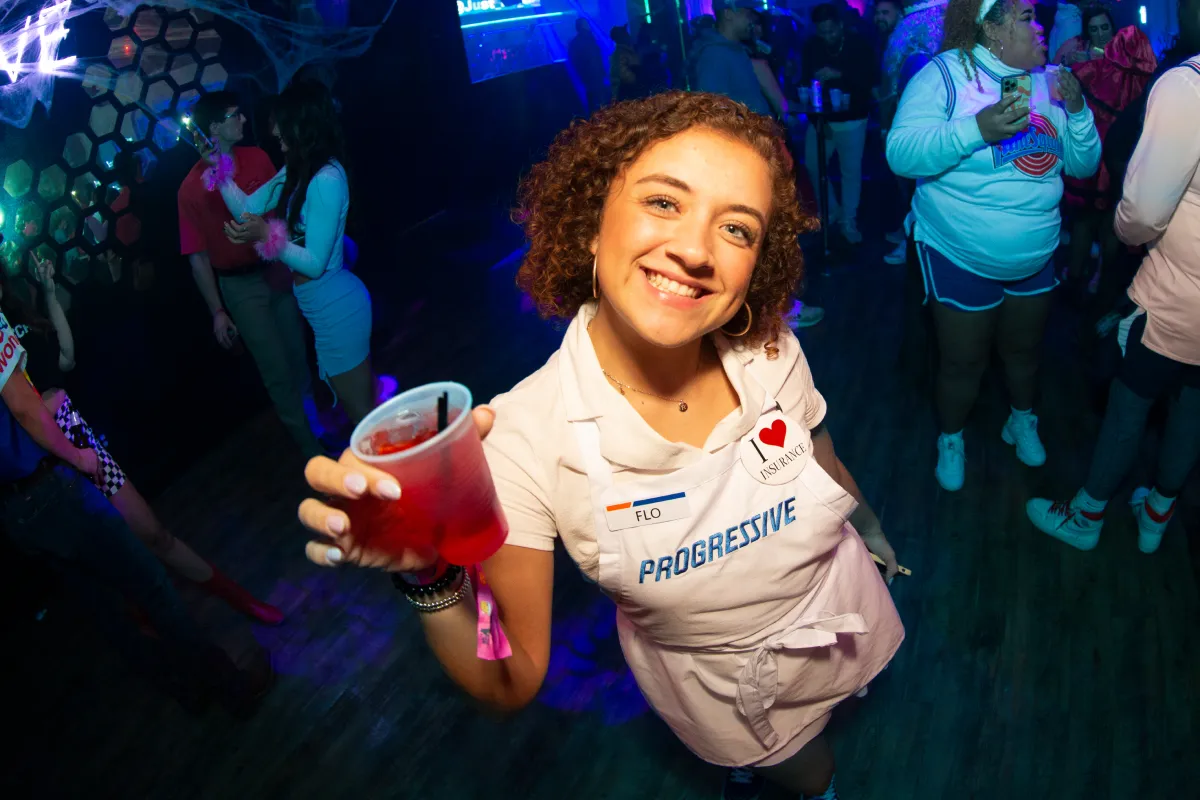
column 191, row 240
column 798, row 397
column 12, row 354
column 519, row 485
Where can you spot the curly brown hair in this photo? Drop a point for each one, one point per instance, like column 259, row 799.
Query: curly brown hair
column 562, row 199
column 961, row 31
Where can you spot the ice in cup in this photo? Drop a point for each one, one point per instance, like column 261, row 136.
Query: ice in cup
column 448, row 500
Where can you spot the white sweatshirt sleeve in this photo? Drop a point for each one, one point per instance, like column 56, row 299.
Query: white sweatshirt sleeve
column 327, row 196
column 1081, row 145
column 264, row 199
column 922, row 142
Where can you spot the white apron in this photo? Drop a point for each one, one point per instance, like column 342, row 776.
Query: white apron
column 745, row 610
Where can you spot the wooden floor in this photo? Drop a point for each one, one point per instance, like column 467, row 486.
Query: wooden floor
column 1030, row 670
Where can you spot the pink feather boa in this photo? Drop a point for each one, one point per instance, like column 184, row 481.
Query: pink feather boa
column 277, row 239
column 216, row 175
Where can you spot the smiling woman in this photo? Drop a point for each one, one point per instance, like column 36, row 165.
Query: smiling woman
column 674, row 444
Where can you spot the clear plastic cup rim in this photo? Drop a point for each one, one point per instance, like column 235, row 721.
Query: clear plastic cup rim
column 377, row 415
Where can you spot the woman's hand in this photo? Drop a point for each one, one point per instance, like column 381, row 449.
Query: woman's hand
column 1003, row 120
column 1067, row 89
column 878, row 544
column 43, row 271
column 348, row 478
column 252, row 228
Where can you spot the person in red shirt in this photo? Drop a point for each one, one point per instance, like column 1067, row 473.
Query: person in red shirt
column 248, row 298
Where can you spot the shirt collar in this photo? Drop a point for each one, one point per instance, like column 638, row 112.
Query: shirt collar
column 626, row 438
column 991, row 66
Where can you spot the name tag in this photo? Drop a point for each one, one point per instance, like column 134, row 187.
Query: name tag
column 647, row 511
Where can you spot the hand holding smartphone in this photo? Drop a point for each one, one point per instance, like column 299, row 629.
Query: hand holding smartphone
column 1019, row 85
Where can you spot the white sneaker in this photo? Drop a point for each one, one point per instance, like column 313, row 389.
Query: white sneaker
column 1151, row 524
column 952, row 462
column 1066, row 522
column 1021, row 430
column 850, row 232
column 897, row 256
column 803, row 316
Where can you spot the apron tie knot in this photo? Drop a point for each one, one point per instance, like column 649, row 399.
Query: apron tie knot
column 759, row 681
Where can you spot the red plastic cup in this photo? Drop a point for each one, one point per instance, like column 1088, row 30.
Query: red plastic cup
column 448, row 500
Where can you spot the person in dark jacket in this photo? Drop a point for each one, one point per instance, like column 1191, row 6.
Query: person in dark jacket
column 844, row 61
column 720, row 62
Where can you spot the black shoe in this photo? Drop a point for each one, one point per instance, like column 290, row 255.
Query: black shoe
column 742, row 784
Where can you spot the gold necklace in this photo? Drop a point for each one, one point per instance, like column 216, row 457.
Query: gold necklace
column 621, row 387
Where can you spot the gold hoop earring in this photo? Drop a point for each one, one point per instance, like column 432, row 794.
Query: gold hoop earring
column 749, row 323
column 595, row 285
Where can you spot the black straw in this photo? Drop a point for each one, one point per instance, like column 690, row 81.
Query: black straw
column 443, row 411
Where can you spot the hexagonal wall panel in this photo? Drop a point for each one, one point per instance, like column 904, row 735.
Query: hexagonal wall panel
column 114, row 20
column 122, row 52
column 166, row 134
column 103, row 119
column 95, row 229
column 98, row 79
column 208, row 43
column 52, row 184
column 179, row 34
column 135, row 125
column 116, row 197
column 64, row 222
column 84, row 190
column 183, row 69
column 106, row 155
column 129, row 228
column 147, row 24
column 77, row 150
column 128, row 89
column 188, row 99
column 213, row 78
column 28, row 222
column 18, row 178
column 154, row 60
column 159, row 96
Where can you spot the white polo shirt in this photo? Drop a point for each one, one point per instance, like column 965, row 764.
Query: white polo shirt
column 535, row 461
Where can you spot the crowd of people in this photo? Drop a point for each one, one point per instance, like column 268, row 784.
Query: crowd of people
column 665, row 229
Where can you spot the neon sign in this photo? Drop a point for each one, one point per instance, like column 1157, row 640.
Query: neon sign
column 49, row 31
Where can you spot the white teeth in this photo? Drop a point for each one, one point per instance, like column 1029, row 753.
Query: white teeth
column 665, row 284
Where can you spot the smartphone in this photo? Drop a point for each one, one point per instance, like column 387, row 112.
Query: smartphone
column 879, row 562
column 198, row 140
column 1021, row 86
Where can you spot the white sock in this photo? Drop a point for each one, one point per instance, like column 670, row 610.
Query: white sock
column 955, row 436
column 1019, row 414
column 1160, row 504
column 1086, row 502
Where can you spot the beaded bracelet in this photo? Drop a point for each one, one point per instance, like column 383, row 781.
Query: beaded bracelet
column 447, row 602
column 415, row 590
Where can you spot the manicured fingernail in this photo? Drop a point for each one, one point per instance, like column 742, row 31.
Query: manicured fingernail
column 355, row 484
column 389, row 489
column 333, row 555
column 336, row 524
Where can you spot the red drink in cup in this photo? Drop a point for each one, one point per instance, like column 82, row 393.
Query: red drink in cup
column 447, row 498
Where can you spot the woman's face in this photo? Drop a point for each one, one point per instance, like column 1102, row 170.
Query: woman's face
column 680, row 235
column 1100, row 30
column 1018, row 41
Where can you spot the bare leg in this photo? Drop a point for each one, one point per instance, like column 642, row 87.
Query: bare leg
column 149, row 529
column 810, row 771
column 1019, row 340
column 356, row 389
column 964, row 342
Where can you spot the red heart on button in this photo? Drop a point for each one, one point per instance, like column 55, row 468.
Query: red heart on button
column 775, row 434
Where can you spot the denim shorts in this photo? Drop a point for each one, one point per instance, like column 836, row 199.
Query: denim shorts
column 954, row 286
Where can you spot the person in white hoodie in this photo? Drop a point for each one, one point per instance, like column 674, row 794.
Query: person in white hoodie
column 985, row 215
